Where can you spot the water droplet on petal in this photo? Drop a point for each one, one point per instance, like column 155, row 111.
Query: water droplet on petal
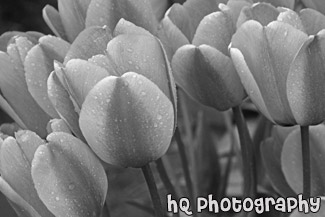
column 57, row 198
column 71, row 186
column 159, row 117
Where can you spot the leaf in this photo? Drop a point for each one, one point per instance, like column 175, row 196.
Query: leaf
column 68, row 177
column 127, row 120
column 291, row 160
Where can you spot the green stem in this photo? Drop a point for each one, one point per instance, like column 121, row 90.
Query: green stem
column 185, row 164
column 153, row 190
column 304, row 130
column 248, row 156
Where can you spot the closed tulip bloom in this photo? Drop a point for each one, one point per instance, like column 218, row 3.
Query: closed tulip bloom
column 281, row 67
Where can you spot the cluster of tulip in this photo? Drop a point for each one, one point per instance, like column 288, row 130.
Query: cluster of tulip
column 105, row 90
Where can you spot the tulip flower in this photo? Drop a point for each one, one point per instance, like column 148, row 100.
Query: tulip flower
column 280, row 66
column 73, row 16
column 16, row 99
column 132, row 49
column 204, row 69
column 57, row 177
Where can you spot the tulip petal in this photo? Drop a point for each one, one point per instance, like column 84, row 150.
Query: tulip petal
column 38, row 66
column 182, row 20
column 171, row 36
column 109, row 12
column 125, row 27
column 68, row 177
column 291, row 160
column 10, row 111
column 15, row 91
column 90, row 42
column 73, row 16
column 62, row 103
column 16, row 157
column 58, row 125
column 261, row 12
column 52, row 18
column 280, row 3
column 21, row 207
column 127, row 120
column 208, row 76
column 291, row 17
column 141, row 54
column 234, row 7
column 81, row 77
column 249, row 82
column 312, row 20
column 305, row 84
column 316, row 5
column 267, row 52
column 215, row 30
column 103, row 62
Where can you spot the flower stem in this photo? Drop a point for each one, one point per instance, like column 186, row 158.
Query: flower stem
column 248, row 156
column 153, row 190
column 165, row 178
column 304, row 130
column 185, row 164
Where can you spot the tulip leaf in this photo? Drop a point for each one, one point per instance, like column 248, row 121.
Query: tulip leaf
column 208, row 76
column 14, row 89
column 73, row 16
column 109, row 12
column 68, row 177
column 305, row 83
column 127, row 120
column 89, row 42
column 274, row 46
column 62, row 103
column 261, row 12
column 16, row 157
column 291, row 160
column 142, row 54
column 216, row 30
column 81, row 77
column 52, row 18
column 38, row 66
column 312, row 20
column 271, row 150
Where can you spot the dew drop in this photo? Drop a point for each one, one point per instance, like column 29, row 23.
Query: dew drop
column 57, row 198
column 71, row 186
column 129, row 50
column 155, row 125
column 159, row 117
column 143, row 93
column 130, row 62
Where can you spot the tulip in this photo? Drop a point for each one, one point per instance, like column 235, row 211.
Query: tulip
column 73, row 16
column 130, row 49
column 16, row 99
column 204, row 69
column 57, row 177
column 280, row 66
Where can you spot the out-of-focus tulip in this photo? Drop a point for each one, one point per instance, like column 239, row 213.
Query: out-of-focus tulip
column 204, row 69
column 315, row 4
column 281, row 66
column 135, row 57
column 57, row 177
column 73, row 16
column 16, row 99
